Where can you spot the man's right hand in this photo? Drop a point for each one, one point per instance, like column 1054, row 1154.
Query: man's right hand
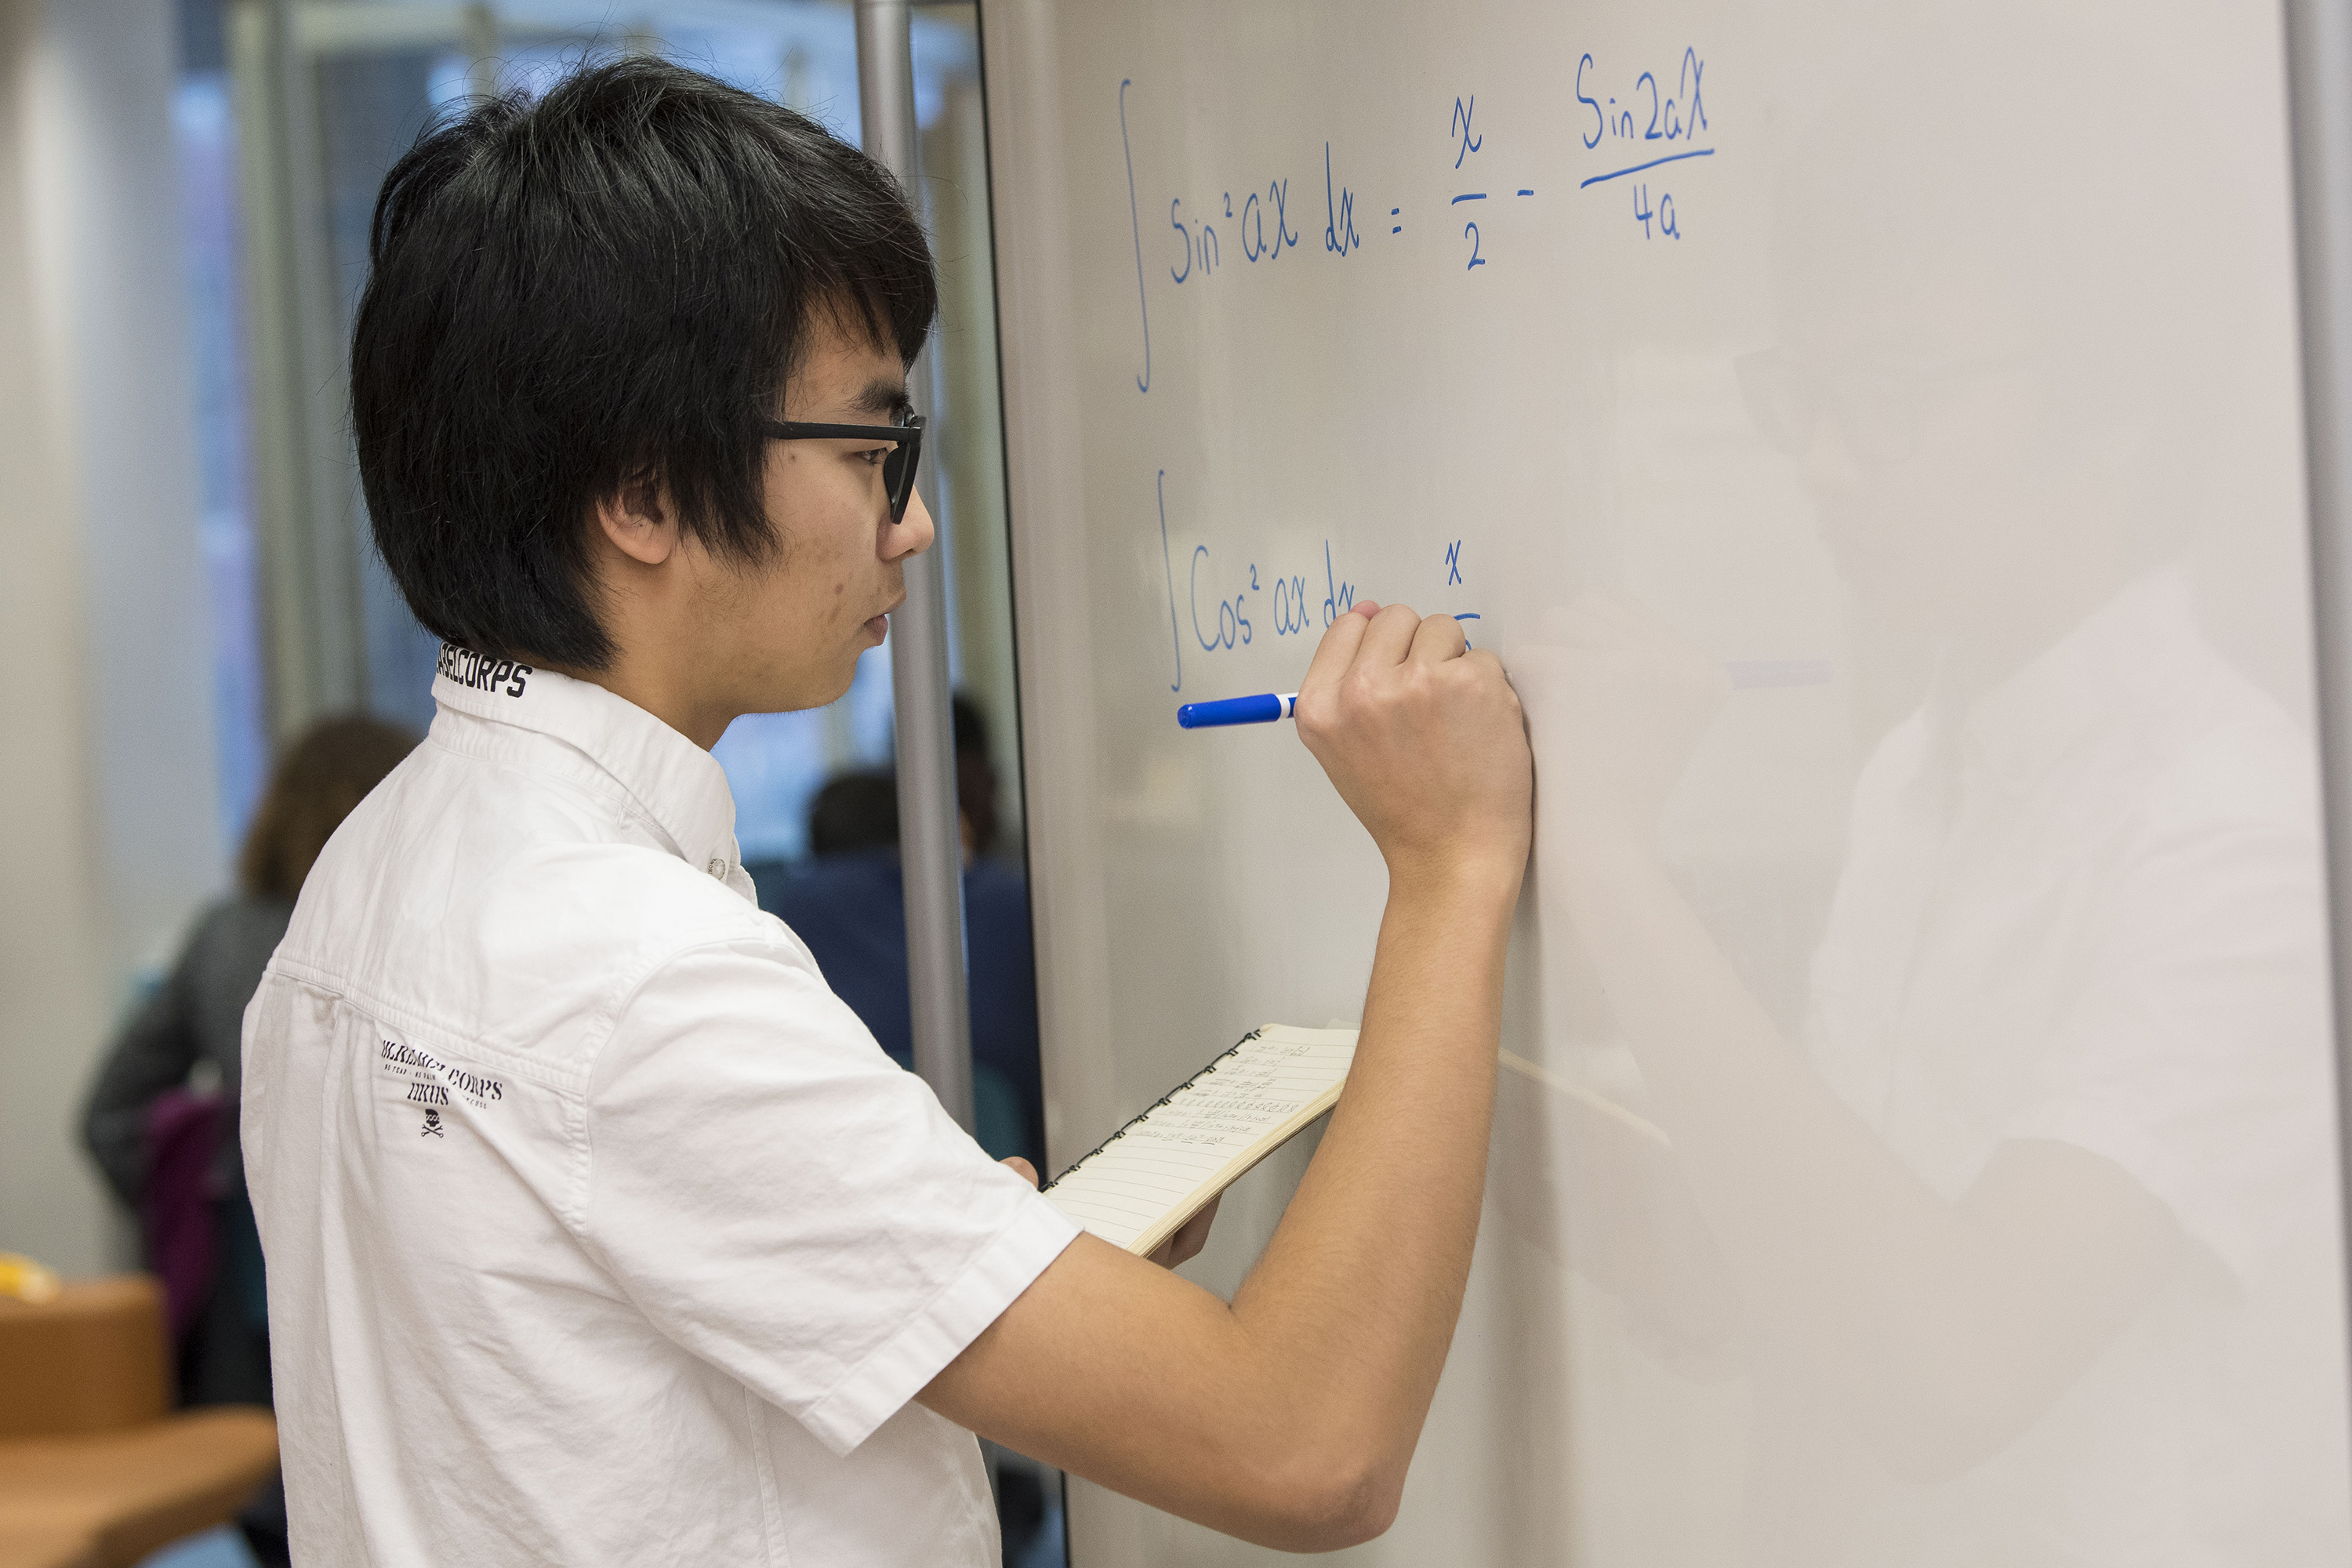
column 1424, row 739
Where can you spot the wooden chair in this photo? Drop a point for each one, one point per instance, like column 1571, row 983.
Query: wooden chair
column 96, row 1470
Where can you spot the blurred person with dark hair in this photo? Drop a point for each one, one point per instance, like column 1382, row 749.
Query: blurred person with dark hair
column 849, row 905
column 854, row 812
column 975, row 778
column 157, row 1119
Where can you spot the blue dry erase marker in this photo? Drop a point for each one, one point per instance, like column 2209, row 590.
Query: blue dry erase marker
column 1269, row 706
column 1263, row 709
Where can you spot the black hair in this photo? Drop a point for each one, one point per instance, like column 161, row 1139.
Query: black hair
column 855, row 811
column 318, row 782
column 607, row 286
column 971, row 725
column 860, row 810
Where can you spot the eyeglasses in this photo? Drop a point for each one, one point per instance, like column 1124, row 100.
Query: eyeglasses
column 897, row 469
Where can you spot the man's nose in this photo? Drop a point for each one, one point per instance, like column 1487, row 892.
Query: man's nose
column 911, row 534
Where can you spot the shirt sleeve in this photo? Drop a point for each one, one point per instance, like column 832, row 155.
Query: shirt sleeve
column 786, row 1202
column 2195, row 1053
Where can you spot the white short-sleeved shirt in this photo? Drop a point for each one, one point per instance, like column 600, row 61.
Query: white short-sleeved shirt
column 2090, row 911
column 598, row 1230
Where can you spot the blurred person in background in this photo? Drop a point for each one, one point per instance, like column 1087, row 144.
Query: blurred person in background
column 848, row 904
column 161, row 1119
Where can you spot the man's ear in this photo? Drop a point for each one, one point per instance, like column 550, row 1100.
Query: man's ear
column 638, row 517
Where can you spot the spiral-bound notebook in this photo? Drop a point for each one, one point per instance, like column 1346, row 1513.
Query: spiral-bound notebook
column 1162, row 1168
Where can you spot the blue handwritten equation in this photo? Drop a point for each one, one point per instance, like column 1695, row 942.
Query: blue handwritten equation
column 1657, row 123
column 1262, row 225
column 1273, row 212
column 1222, row 603
column 1467, row 140
column 1626, row 125
column 1220, row 607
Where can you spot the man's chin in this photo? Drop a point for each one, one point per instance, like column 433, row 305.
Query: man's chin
column 836, row 688
column 811, row 688
column 798, row 697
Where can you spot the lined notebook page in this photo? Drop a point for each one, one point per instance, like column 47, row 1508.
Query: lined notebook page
column 1163, row 1167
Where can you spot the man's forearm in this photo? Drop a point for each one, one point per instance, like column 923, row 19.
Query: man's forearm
column 1379, row 1236
column 1288, row 1416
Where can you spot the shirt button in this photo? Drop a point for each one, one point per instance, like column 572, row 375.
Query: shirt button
column 719, row 870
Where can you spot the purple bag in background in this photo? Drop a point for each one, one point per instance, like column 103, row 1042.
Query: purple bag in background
column 175, row 1206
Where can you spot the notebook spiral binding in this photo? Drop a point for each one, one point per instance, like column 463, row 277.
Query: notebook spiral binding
column 1163, row 1100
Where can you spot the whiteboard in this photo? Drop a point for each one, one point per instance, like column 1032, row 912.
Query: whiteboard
column 1871, row 437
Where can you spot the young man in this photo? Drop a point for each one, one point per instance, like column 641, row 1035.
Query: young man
column 598, row 1229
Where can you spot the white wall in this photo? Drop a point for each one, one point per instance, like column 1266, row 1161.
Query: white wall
column 109, row 827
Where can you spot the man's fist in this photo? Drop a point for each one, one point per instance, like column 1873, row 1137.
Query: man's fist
column 1424, row 741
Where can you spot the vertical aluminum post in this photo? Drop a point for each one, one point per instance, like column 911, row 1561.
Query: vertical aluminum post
column 930, row 843
column 2319, row 89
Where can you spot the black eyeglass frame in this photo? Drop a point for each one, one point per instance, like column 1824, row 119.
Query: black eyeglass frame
column 897, row 469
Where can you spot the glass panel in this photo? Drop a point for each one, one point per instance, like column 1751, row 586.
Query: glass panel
column 206, row 131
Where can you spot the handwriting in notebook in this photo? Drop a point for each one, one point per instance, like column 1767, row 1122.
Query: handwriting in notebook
column 1165, row 1164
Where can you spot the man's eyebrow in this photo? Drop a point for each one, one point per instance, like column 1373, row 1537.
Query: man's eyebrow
column 886, row 396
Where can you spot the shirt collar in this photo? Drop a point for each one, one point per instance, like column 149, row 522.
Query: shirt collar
column 678, row 785
column 2125, row 660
